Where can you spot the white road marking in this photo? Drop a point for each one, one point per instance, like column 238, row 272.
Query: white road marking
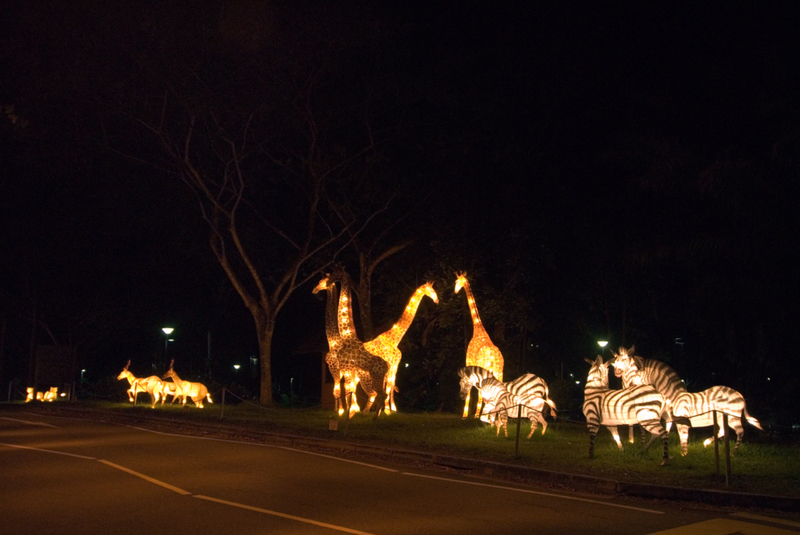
column 29, row 422
column 266, row 446
column 763, row 518
column 49, row 451
column 527, row 491
column 282, row 515
column 146, row 478
column 724, row 526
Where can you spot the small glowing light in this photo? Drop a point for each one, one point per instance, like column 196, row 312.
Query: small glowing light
column 167, row 330
column 602, row 343
column 236, row 366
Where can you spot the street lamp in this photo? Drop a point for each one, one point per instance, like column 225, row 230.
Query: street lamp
column 603, row 344
column 167, row 331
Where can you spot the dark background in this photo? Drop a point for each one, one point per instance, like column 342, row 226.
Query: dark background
column 613, row 171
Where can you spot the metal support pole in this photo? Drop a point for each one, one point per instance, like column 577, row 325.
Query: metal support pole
column 716, row 445
column 727, row 449
column 519, row 424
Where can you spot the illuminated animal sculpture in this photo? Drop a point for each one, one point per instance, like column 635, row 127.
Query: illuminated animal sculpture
column 480, row 351
column 651, row 372
column 334, row 339
column 170, row 389
column 356, row 364
column 502, row 404
column 50, row 395
column 152, row 385
column 385, row 344
column 196, row 391
column 699, row 408
column 641, row 404
column 528, row 390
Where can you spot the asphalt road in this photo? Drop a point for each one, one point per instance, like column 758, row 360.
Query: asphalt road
column 75, row 476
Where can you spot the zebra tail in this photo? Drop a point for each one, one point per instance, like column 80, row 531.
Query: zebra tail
column 552, row 406
column 208, row 397
column 752, row 420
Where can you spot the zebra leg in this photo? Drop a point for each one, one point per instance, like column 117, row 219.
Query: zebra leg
column 630, row 434
column 592, row 434
column 615, row 434
column 466, row 405
column 683, row 433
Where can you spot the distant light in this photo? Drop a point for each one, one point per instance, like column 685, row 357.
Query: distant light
column 167, row 330
column 236, row 366
column 83, row 370
column 602, row 343
column 577, row 382
column 407, row 367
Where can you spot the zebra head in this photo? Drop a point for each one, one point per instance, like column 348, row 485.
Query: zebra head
column 623, row 360
column 466, row 383
column 598, row 374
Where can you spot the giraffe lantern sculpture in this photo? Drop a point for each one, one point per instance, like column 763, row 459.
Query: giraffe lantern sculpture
column 385, row 344
column 334, row 339
column 480, row 351
column 354, row 363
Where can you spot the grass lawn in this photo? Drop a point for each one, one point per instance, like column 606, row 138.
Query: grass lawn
column 760, row 466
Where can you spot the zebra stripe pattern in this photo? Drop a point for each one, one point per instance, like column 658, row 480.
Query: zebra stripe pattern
column 640, row 404
column 649, row 372
column 528, row 390
column 699, row 408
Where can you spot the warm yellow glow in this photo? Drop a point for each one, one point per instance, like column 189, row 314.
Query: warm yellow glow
column 481, row 351
column 152, row 385
column 197, row 392
column 385, row 344
column 30, row 395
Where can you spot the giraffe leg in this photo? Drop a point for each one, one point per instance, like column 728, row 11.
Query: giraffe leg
column 466, row 405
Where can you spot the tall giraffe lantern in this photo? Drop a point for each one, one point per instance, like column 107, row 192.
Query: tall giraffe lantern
column 480, row 351
column 385, row 344
column 357, row 365
column 334, row 339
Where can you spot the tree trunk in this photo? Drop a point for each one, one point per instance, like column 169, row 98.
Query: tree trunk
column 265, row 329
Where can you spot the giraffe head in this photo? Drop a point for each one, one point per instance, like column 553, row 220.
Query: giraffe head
column 324, row 284
column 461, row 280
column 427, row 289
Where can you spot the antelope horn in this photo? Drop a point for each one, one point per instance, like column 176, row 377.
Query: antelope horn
column 126, row 366
column 171, row 362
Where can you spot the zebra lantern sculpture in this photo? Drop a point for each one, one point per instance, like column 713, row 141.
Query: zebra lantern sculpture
column 502, row 400
column 640, row 404
column 699, row 408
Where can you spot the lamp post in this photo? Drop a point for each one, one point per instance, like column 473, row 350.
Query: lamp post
column 603, row 344
column 167, row 332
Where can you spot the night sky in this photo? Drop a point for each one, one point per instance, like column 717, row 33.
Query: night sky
column 617, row 171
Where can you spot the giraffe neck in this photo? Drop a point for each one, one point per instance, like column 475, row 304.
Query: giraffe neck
column 477, row 325
column 331, row 327
column 347, row 328
column 393, row 336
